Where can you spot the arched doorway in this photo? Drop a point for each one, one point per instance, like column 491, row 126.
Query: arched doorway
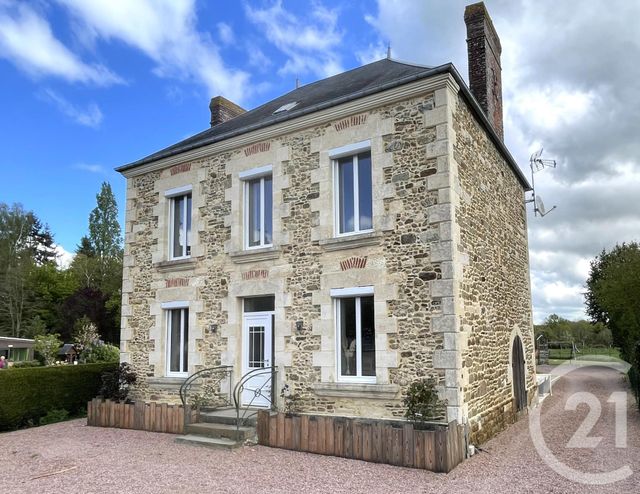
column 517, row 371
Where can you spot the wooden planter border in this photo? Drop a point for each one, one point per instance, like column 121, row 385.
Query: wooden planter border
column 380, row 441
column 152, row 417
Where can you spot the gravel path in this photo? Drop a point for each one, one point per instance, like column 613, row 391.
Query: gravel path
column 112, row 460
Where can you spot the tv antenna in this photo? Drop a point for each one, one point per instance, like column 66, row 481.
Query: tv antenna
column 538, row 164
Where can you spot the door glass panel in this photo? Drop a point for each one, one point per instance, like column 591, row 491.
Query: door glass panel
column 365, row 190
column 348, row 336
column 256, row 346
column 345, row 194
column 368, row 337
column 259, row 304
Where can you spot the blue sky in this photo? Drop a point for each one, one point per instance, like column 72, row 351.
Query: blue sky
column 86, row 86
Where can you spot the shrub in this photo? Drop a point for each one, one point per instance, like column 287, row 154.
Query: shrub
column 26, row 363
column 47, row 346
column 54, row 416
column 116, row 383
column 28, row 394
column 102, row 353
column 422, row 401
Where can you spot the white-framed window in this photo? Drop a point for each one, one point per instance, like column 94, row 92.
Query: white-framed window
column 353, row 190
column 258, row 207
column 178, row 341
column 179, row 222
column 355, row 334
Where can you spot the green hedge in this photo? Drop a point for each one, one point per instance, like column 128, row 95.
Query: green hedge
column 28, row 394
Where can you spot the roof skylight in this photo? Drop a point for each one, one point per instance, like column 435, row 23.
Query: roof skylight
column 286, row 107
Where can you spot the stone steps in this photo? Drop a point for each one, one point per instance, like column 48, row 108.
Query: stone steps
column 228, row 416
column 218, row 429
column 209, row 442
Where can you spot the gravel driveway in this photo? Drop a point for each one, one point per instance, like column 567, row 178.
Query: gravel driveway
column 89, row 459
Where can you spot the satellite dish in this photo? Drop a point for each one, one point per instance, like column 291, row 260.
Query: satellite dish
column 540, row 206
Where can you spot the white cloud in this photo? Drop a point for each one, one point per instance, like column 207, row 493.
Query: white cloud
column 225, row 33
column 165, row 30
column 91, row 116
column 257, row 58
column 99, row 169
column 312, row 43
column 371, row 53
column 550, row 107
column 63, row 257
column 27, row 41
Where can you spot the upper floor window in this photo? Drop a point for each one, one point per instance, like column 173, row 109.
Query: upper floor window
column 180, row 231
column 353, row 189
column 258, row 207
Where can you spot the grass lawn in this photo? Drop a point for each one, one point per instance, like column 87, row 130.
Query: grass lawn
column 559, row 355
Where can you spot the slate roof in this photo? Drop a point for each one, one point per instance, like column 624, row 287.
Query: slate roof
column 350, row 85
column 66, row 349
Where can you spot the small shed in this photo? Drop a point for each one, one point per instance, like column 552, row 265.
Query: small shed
column 68, row 353
column 16, row 349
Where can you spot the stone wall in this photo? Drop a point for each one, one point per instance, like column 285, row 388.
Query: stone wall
column 494, row 289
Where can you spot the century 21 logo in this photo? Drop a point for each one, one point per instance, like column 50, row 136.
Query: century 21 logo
column 581, row 438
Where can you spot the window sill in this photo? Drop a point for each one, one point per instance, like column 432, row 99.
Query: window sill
column 176, row 265
column 166, row 382
column 253, row 255
column 355, row 390
column 351, row 241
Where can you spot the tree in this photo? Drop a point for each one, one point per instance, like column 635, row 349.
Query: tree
column 583, row 333
column 97, row 267
column 25, row 245
column 47, row 347
column 613, row 296
column 85, row 335
column 104, row 229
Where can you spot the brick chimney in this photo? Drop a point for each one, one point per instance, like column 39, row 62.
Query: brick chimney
column 484, row 49
column 223, row 110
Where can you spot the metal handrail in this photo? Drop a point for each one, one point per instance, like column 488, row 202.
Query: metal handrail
column 218, row 374
column 239, row 388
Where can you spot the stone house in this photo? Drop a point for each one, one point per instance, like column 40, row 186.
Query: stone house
column 358, row 233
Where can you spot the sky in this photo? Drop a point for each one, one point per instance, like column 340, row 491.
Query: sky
column 89, row 86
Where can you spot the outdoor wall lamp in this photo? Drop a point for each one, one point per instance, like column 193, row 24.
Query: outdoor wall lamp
column 299, row 326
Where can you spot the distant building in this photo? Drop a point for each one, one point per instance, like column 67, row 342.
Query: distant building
column 16, row 349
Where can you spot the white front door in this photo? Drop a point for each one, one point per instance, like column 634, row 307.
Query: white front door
column 256, row 354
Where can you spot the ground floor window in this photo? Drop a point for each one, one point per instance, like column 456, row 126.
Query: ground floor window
column 356, row 338
column 177, row 342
